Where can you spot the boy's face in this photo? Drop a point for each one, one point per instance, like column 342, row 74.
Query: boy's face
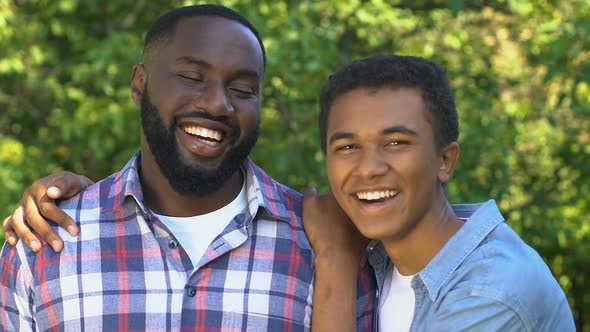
column 382, row 161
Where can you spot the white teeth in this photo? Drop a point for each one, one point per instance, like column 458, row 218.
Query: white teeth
column 204, row 132
column 210, row 143
column 374, row 195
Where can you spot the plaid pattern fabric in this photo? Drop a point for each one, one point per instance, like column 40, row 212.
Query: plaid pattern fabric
column 126, row 272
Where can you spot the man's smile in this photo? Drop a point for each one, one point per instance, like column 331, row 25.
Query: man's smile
column 208, row 136
column 204, row 137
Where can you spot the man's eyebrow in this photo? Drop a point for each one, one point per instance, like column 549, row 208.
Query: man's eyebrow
column 247, row 73
column 238, row 73
column 340, row 135
column 193, row 61
column 400, row 130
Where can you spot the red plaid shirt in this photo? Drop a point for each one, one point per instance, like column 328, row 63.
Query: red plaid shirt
column 125, row 271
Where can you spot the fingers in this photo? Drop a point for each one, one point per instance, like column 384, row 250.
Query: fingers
column 17, row 222
column 9, row 231
column 63, row 185
column 310, row 191
column 38, row 204
column 311, row 201
column 36, row 221
column 314, row 200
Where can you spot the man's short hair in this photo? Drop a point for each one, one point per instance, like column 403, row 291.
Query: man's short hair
column 396, row 71
column 163, row 27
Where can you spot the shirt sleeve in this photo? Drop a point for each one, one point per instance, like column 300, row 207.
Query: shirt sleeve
column 16, row 300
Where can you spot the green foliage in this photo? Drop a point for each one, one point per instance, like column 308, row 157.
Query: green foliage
column 521, row 71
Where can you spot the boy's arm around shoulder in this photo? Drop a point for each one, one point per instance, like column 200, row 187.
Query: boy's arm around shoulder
column 338, row 249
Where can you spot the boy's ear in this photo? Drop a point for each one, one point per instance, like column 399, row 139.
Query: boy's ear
column 448, row 159
column 138, row 79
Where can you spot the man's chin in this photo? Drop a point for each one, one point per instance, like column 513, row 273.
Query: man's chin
column 202, row 165
column 201, row 178
column 196, row 186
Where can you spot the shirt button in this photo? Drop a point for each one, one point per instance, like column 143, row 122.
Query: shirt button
column 191, row 291
column 173, row 244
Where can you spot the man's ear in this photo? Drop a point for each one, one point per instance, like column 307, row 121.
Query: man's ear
column 448, row 159
column 138, row 79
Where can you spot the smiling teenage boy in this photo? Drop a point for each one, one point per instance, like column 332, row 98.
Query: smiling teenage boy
column 389, row 131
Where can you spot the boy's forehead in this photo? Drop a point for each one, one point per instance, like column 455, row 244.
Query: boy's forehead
column 369, row 112
column 385, row 102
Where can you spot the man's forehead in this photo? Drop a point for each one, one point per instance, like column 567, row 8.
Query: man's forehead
column 214, row 28
column 215, row 37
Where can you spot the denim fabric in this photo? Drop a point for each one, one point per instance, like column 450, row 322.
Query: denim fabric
column 484, row 279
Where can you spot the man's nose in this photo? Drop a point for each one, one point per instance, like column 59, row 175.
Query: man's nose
column 214, row 99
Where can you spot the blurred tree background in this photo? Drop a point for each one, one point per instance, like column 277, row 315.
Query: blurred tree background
column 520, row 69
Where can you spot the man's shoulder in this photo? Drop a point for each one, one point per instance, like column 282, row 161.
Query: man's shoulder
column 107, row 191
column 272, row 188
column 288, row 193
column 96, row 203
column 90, row 197
column 283, row 202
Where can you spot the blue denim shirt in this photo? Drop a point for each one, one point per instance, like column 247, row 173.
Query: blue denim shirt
column 484, row 279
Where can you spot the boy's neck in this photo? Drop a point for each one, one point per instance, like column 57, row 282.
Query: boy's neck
column 412, row 253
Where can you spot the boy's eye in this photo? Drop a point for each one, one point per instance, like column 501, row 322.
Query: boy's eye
column 396, row 142
column 346, row 147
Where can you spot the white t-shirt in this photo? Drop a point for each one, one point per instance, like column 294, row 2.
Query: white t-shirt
column 195, row 234
column 396, row 308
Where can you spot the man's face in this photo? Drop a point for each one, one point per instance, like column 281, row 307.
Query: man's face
column 200, row 102
column 383, row 166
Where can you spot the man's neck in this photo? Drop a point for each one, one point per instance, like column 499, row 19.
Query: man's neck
column 162, row 199
column 412, row 253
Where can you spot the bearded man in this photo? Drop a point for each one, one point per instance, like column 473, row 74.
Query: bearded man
column 190, row 234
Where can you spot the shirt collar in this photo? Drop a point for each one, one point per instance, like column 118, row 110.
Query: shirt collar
column 126, row 184
column 261, row 190
column 481, row 219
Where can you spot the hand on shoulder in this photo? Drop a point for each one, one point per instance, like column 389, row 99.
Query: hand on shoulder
column 37, row 206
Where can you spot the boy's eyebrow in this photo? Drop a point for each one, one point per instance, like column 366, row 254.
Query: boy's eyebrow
column 399, row 129
column 387, row 131
column 340, row 135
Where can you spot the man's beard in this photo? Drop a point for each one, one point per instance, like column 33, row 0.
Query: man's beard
column 184, row 179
